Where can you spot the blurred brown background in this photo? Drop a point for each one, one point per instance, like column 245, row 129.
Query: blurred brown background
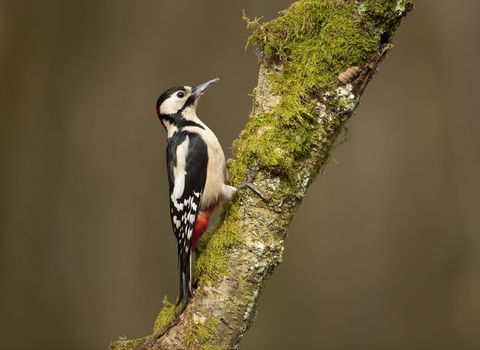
column 384, row 253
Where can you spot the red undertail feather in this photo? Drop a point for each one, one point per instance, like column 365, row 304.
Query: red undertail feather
column 201, row 225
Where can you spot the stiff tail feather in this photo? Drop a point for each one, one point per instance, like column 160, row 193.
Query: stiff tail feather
column 185, row 282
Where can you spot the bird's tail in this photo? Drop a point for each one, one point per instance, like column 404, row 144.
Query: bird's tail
column 185, row 281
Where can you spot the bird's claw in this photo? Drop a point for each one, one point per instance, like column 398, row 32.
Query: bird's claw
column 251, row 173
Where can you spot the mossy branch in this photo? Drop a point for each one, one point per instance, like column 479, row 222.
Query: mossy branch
column 315, row 62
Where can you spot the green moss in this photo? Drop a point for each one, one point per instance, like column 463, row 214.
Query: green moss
column 124, row 344
column 315, row 40
column 200, row 331
column 274, row 148
column 211, row 347
column 307, row 47
column 382, row 15
column 166, row 316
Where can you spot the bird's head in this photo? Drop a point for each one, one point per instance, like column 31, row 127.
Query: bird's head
column 180, row 102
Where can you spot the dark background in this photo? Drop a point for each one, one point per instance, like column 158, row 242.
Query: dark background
column 384, row 253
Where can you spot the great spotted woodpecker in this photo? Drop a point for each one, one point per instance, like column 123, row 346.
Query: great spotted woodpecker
column 197, row 173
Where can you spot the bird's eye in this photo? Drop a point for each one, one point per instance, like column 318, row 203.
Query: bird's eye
column 180, row 94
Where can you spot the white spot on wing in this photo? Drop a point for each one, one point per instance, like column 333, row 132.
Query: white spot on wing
column 189, row 233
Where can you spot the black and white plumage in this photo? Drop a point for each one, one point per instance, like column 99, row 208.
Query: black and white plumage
column 196, row 173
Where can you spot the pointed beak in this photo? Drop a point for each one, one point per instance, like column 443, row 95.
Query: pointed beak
column 197, row 91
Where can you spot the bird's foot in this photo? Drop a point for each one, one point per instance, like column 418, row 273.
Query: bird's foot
column 251, row 173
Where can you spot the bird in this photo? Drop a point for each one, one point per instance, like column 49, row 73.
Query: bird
column 197, row 174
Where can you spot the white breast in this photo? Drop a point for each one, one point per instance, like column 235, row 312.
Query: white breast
column 215, row 184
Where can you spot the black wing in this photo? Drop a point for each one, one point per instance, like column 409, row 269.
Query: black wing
column 186, row 181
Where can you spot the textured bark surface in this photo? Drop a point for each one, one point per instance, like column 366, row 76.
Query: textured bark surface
column 247, row 243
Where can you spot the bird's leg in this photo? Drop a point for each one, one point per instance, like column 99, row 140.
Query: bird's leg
column 251, row 173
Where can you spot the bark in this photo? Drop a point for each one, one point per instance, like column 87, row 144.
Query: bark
column 315, row 62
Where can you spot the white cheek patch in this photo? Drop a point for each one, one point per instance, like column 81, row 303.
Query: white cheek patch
column 174, row 103
column 170, row 106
